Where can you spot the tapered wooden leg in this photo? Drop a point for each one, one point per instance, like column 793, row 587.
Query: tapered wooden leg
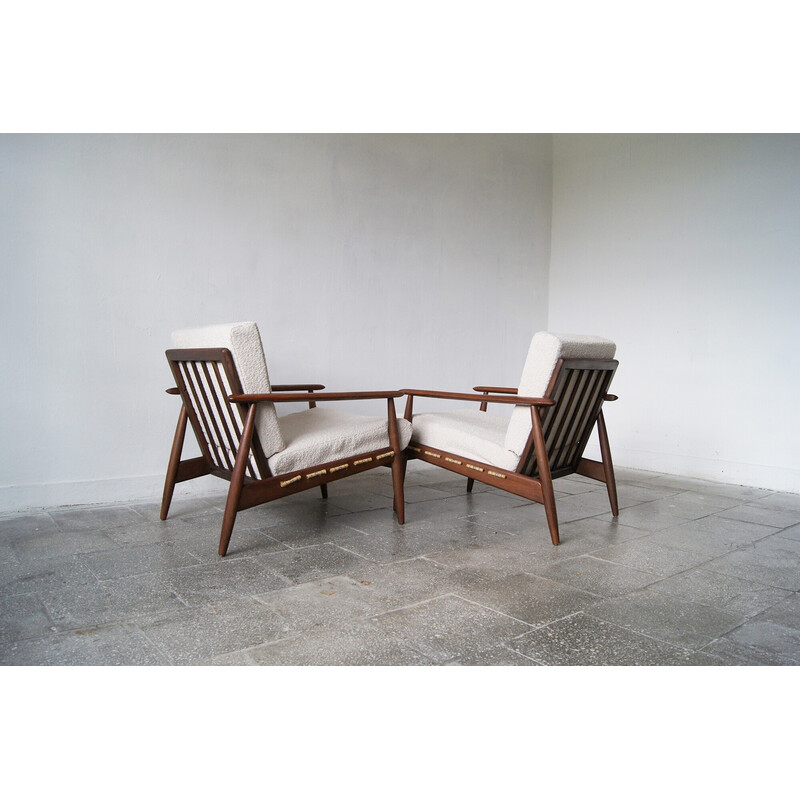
column 398, row 465
column 237, row 480
column 470, row 484
column 544, row 475
column 174, row 462
column 323, row 487
column 608, row 466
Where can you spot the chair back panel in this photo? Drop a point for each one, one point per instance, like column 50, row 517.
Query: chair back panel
column 578, row 387
column 244, row 342
column 543, row 356
column 205, row 378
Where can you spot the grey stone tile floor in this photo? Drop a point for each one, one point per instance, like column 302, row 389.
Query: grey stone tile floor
column 691, row 573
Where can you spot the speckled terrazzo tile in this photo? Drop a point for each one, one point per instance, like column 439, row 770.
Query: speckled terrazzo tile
column 499, row 656
column 597, row 576
column 106, row 602
column 650, row 556
column 23, row 617
column 93, row 518
column 667, row 618
column 357, row 644
column 136, row 560
column 44, row 574
column 330, row 602
column 305, row 564
column 25, row 524
column 209, row 583
column 725, row 592
column 582, row 640
column 403, row 583
column 197, row 635
column 738, row 654
column 449, row 627
column 762, row 515
column 534, row 600
column 114, row 645
column 773, row 561
column 61, row 544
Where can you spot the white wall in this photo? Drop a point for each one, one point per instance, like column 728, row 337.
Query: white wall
column 685, row 249
column 369, row 261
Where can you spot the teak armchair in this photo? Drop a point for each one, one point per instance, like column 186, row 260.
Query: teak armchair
column 557, row 404
column 221, row 376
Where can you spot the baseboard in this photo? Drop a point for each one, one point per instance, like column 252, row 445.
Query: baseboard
column 32, row 497
column 762, row 476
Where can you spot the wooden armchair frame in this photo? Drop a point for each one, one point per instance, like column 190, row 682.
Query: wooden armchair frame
column 561, row 423
column 223, row 419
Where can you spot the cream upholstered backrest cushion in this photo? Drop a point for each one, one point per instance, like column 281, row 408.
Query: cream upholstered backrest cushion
column 244, row 342
column 543, row 354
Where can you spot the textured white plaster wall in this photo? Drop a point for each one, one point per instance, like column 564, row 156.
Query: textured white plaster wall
column 369, row 261
column 685, row 249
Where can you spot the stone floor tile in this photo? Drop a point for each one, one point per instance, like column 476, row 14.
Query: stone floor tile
column 781, row 642
column 582, row 640
column 692, row 505
column 773, row 561
column 790, row 533
column 94, row 518
column 449, row 627
column 44, row 574
column 330, row 602
column 534, row 600
column 23, row 617
column 725, row 592
column 667, row 618
column 60, row 544
column 358, row 644
column 104, row 646
column 651, row 556
column 305, row 564
column 106, row 602
column 498, row 656
column 646, row 516
column 361, row 501
column 209, row 583
column 712, row 535
column 197, row 635
column 25, row 524
column 762, row 515
column 597, row 576
column 738, row 654
column 404, row 583
column 783, row 501
column 136, row 560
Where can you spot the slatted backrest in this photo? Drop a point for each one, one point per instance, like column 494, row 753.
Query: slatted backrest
column 206, row 377
column 578, row 387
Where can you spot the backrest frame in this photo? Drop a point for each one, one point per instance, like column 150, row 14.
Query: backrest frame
column 205, row 377
column 578, row 387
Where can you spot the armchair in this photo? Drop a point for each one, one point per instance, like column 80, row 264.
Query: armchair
column 221, row 376
column 556, row 406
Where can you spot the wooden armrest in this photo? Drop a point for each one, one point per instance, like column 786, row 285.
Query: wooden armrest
column 296, row 387
column 483, row 398
column 610, row 398
column 276, row 397
column 495, row 389
column 174, row 390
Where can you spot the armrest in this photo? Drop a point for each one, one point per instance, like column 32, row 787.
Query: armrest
column 174, row 390
column 277, row 397
column 483, row 398
column 495, row 389
column 610, row 398
column 296, row 387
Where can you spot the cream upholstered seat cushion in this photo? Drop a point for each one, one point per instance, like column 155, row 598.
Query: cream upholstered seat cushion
column 471, row 433
column 244, row 342
column 320, row 435
column 543, row 354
